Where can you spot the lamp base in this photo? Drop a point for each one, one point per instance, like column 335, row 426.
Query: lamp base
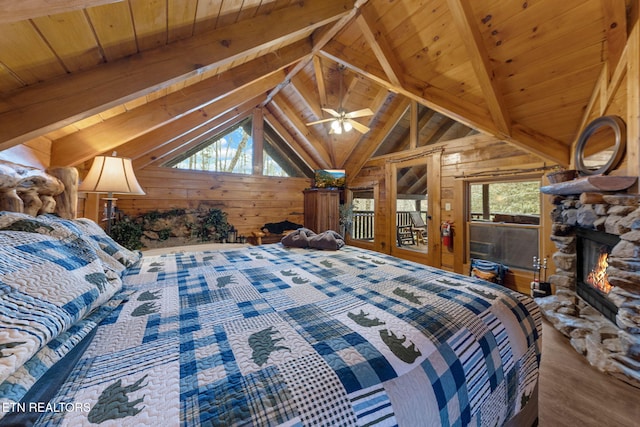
column 109, row 212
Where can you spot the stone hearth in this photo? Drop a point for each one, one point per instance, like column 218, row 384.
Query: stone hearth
column 612, row 348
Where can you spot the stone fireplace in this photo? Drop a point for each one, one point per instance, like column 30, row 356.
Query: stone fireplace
column 593, row 249
column 584, row 226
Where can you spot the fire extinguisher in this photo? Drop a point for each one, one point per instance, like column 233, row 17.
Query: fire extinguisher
column 446, row 230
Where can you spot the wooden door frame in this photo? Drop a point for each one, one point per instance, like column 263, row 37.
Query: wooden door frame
column 432, row 161
column 348, row 198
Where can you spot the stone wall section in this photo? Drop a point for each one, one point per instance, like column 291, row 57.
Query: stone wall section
column 612, row 348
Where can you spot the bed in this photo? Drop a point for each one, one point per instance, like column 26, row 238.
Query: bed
column 92, row 333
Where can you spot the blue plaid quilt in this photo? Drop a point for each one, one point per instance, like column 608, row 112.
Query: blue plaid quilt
column 269, row 336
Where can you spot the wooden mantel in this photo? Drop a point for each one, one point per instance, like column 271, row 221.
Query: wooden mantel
column 594, row 183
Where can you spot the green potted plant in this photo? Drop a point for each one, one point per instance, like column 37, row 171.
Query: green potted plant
column 346, row 218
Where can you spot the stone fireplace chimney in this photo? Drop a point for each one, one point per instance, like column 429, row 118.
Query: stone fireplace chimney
column 612, row 347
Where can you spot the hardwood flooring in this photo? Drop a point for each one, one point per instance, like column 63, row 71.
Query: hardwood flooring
column 573, row 393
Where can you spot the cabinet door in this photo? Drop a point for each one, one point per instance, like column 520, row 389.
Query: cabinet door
column 328, row 206
column 321, row 210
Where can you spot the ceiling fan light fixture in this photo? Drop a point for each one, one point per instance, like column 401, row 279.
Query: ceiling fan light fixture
column 342, row 121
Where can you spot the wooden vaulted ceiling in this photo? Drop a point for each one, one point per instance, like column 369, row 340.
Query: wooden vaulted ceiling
column 150, row 78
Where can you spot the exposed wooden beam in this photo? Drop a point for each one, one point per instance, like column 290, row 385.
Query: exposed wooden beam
column 435, row 98
column 322, row 88
column 181, row 140
column 50, row 105
column 378, row 107
column 308, row 142
column 405, row 143
column 304, row 94
column 466, row 24
column 83, row 145
column 319, row 41
column 85, row 151
column 539, row 144
column 380, row 46
column 424, row 119
column 473, row 116
column 439, row 133
column 413, row 126
column 437, row 121
column 257, row 136
column 288, row 138
column 18, row 10
column 368, row 145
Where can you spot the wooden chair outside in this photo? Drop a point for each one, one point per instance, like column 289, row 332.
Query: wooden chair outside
column 418, row 227
column 405, row 235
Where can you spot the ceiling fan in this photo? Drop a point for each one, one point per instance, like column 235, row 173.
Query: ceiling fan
column 342, row 121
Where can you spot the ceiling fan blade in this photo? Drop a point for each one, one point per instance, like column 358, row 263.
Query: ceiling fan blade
column 360, row 113
column 320, row 121
column 358, row 126
column 334, row 113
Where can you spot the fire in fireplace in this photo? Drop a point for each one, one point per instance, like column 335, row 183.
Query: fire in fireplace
column 593, row 248
column 597, row 277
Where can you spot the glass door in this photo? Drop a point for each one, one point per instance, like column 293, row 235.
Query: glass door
column 410, row 216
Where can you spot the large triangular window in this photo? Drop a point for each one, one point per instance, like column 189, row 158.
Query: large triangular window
column 232, row 151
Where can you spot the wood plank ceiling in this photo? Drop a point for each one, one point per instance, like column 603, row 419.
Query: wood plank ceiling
column 152, row 77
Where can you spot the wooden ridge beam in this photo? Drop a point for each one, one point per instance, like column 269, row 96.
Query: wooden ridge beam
column 41, row 108
column 80, row 146
column 318, row 43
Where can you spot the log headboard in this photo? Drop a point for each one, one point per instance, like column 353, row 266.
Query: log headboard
column 34, row 191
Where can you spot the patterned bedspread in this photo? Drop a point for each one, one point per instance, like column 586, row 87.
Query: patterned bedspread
column 270, row 336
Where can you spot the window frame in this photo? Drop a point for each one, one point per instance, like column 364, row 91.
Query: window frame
column 468, row 182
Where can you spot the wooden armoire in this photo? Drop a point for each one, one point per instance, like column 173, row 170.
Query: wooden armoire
column 322, row 209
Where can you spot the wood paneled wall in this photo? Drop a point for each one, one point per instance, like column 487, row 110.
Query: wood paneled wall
column 460, row 160
column 250, row 201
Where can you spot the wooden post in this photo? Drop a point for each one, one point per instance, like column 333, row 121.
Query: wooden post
column 633, row 103
column 9, row 200
column 257, row 135
column 66, row 201
column 31, row 201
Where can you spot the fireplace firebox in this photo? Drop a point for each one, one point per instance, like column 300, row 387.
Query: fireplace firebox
column 592, row 285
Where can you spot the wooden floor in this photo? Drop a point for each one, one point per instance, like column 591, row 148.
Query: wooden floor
column 573, row 393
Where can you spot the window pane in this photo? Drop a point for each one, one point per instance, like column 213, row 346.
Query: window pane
column 517, row 201
column 271, row 167
column 231, row 151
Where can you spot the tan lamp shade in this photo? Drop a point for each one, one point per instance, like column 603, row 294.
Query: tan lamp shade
column 111, row 175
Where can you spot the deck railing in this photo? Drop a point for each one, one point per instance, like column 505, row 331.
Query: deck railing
column 362, row 227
